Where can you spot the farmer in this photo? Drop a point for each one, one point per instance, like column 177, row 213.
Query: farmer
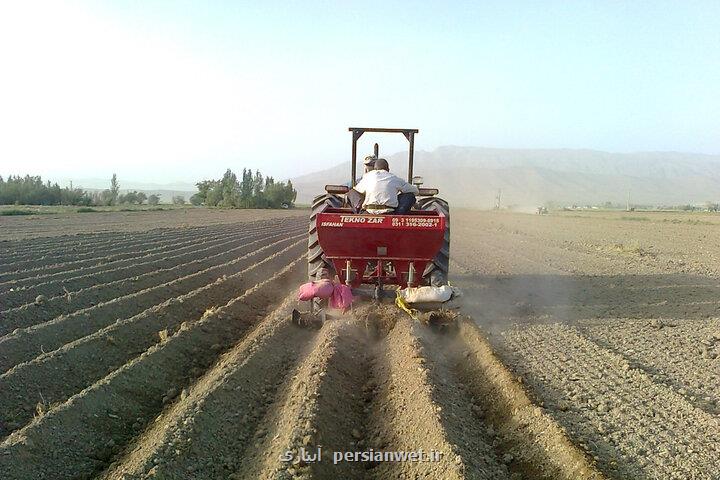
column 353, row 196
column 385, row 192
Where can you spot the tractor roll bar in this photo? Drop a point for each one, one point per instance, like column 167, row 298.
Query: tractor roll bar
column 409, row 133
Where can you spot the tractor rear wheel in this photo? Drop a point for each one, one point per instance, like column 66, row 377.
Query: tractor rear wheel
column 436, row 272
column 315, row 256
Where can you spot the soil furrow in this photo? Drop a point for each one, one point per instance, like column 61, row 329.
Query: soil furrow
column 38, row 274
column 21, row 278
column 531, row 443
column 180, row 266
column 28, row 343
column 30, row 249
column 416, row 406
column 602, row 402
column 350, row 394
column 695, row 376
column 69, row 226
column 86, row 431
column 70, row 255
column 105, row 263
column 294, row 420
column 85, row 278
column 220, row 417
column 88, row 359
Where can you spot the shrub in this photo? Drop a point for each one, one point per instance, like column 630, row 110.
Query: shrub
column 16, row 211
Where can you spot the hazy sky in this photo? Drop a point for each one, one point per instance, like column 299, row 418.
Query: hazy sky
column 168, row 91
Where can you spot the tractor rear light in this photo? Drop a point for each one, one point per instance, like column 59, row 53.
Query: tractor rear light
column 337, row 189
column 427, row 192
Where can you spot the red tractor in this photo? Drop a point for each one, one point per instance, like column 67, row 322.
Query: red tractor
column 367, row 249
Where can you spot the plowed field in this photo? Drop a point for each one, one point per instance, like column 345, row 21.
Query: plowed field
column 169, row 353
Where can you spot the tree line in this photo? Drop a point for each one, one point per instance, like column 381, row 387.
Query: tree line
column 31, row 190
column 253, row 191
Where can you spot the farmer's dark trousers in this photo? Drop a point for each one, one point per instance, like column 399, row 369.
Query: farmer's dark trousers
column 405, row 203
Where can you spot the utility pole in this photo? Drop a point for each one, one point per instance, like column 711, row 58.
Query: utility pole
column 627, row 207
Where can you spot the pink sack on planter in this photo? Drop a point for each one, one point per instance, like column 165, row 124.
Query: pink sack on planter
column 341, row 297
column 320, row 289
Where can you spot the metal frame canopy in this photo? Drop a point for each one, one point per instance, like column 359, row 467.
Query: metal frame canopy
column 357, row 132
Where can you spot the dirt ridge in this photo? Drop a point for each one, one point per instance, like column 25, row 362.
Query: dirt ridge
column 79, row 364
column 69, row 303
column 108, row 408
column 30, row 342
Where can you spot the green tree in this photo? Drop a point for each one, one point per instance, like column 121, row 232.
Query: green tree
column 230, row 190
column 252, row 191
column 257, row 195
column 205, row 193
column 114, row 189
column 130, row 198
column 31, row 190
column 153, row 199
column 178, row 200
column 246, row 189
column 106, row 198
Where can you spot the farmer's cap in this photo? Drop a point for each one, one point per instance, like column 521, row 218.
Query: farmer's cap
column 369, row 160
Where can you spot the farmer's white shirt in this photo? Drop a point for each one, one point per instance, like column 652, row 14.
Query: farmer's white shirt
column 382, row 188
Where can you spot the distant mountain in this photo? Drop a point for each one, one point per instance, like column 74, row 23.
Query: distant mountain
column 472, row 176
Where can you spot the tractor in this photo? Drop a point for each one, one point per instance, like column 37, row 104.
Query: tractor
column 364, row 249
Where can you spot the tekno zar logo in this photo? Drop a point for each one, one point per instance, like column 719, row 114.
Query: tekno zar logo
column 353, row 220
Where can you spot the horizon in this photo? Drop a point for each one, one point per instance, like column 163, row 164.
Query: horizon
column 175, row 93
column 96, row 181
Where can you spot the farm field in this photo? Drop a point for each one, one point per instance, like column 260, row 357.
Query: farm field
column 613, row 323
column 159, row 345
column 57, row 221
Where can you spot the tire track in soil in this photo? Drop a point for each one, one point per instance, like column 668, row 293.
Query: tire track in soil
column 602, row 401
column 69, row 304
column 28, row 343
column 86, row 360
column 87, row 430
